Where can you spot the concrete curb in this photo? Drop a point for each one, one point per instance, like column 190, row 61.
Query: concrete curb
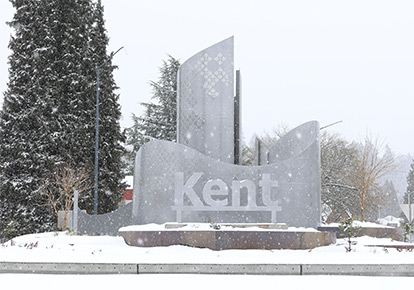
column 67, row 268
column 359, row 269
column 242, row 269
column 237, row 269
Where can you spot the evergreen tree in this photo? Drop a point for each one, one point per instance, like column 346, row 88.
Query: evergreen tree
column 110, row 178
column 390, row 206
column 26, row 134
column 159, row 120
column 135, row 139
column 48, row 115
column 165, row 92
column 410, row 185
column 248, row 155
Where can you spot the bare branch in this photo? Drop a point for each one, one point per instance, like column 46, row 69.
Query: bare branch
column 371, row 167
column 59, row 193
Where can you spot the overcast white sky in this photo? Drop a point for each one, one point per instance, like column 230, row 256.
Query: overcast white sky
column 300, row 60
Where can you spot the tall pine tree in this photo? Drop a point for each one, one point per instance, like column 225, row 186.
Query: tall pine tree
column 28, row 147
column 110, row 134
column 48, row 115
column 159, row 120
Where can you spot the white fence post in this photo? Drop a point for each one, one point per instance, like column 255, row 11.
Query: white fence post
column 75, row 211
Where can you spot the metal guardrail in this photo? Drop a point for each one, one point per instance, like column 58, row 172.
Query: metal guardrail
column 245, row 269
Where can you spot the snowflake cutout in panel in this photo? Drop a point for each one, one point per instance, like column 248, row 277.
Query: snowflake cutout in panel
column 191, row 101
column 168, row 159
column 206, row 59
column 206, row 73
column 199, row 66
column 220, row 59
column 212, row 79
column 210, row 90
column 212, row 93
column 220, row 73
column 188, row 96
column 194, row 120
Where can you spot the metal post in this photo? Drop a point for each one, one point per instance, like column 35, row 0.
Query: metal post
column 410, row 238
column 257, row 145
column 409, row 207
column 379, row 212
column 75, row 211
column 237, row 120
column 95, row 196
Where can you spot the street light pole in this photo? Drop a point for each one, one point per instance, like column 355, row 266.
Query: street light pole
column 409, row 207
column 98, row 68
column 324, row 127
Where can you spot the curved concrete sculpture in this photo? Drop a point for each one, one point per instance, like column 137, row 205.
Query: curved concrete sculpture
column 205, row 113
column 292, row 144
column 173, row 182
column 195, row 180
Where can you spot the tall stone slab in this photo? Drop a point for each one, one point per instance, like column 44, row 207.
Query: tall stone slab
column 205, row 118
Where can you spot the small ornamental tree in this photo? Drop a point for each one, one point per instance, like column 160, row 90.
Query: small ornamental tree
column 58, row 192
column 350, row 231
column 407, row 231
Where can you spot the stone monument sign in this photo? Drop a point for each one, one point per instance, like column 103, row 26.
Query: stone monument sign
column 197, row 180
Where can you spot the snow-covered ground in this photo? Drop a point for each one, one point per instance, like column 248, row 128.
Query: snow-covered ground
column 66, row 247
